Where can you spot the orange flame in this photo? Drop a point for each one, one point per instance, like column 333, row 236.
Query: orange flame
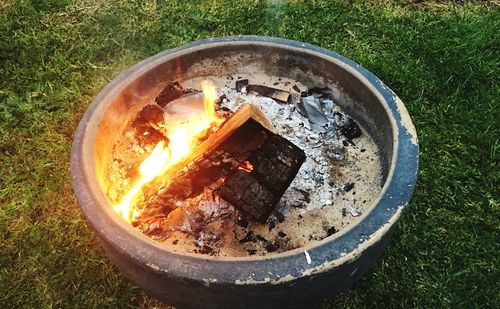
column 209, row 99
column 246, row 166
column 182, row 137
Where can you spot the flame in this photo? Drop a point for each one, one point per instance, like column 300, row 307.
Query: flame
column 209, row 99
column 182, row 137
column 246, row 166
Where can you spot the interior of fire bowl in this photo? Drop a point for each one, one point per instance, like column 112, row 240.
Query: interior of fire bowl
column 336, row 186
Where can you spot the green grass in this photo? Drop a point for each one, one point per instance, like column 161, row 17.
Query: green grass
column 442, row 58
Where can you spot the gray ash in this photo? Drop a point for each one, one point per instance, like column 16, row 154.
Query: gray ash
column 340, row 155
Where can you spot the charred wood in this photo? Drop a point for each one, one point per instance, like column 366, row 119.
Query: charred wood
column 257, row 192
column 240, row 84
column 220, row 153
column 273, row 93
column 148, row 124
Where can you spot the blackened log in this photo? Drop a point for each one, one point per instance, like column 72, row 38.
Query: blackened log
column 256, row 192
column 276, row 163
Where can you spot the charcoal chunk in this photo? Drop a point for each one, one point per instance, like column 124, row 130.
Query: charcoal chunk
column 240, row 84
column 331, row 231
column 271, row 247
column 249, row 237
column 351, row 129
column 348, row 186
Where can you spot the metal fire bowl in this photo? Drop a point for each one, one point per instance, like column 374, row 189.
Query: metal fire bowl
column 279, row 280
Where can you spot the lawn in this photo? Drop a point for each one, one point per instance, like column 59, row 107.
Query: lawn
column 441, row 57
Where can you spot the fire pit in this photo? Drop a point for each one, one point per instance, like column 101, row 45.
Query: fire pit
column 311, row 161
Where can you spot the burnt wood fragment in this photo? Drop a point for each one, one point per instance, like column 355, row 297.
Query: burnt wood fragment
column 240, row 84
column 348, row 186
column 271, row 247
column 172, row 91
column 147, row 135
column 257, row 192
column 321, row 92
column 273, row 93
column 331, row 231
column 249, row 237
column 347, row 126
column 350, row 129
column 147, row 125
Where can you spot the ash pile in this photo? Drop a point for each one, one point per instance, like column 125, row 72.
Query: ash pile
column 236, row 199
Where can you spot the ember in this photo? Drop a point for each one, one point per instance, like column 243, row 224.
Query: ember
column 246, row 166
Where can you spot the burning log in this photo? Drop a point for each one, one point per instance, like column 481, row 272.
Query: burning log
column 221, row 152
column 259, row 166
column 272, row 161
column 257, row 187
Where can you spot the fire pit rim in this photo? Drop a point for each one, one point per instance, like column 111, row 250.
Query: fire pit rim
column 404, row 166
